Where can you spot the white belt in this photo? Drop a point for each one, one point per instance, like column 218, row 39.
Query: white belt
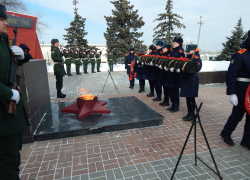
column 67, row 58
column 58, row 63
column 243, row 79
column 85, row 59
column 128, row 64
column 77, row 59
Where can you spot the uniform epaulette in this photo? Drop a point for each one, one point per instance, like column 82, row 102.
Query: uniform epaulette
column 180, row 51
column 161, row 52
column 135, row 54
column 127, row 54
column 196, row 57
column 242, row 51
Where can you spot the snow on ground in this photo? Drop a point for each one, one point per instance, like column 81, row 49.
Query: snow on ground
column 207, row 66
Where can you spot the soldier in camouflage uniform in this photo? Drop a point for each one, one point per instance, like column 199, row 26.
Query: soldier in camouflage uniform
column 77, row 62
column 98, row 61
column 92, row 61
column 68, row 61
column 84, row 59
column 59, row 71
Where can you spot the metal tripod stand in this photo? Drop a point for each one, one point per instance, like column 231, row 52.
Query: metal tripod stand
column 109, row 74
column 194, row 122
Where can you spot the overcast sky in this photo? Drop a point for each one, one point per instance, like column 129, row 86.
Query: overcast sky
column 219, row 17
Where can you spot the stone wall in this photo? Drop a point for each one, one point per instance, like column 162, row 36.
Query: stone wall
column 212, row 77
column 35, row 90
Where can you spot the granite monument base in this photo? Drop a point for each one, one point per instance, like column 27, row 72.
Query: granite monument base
column 126, row 113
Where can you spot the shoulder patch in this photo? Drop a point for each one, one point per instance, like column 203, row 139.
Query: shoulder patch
column 180, row 51
column 196, row 57
column 161, row 52
column 242, row 51
column 127, row 55
column 135, row 54
column 232, row 61
column 53, row 52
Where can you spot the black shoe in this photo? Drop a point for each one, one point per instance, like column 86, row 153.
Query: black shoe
column 150, row 95
column 156, row 99
column 131, row 87
column 169, row 109
column 70, row 75
column 93, row 72
column 227, row 139
column 99, row 71
column 184, row 117
column 164, row 103
column 86, row 73
column 78, row 74
column 61, row 95
column 174, row 110
column 189, row 118
column 140, row 91
column 245, row 144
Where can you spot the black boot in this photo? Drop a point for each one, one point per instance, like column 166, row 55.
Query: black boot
column 189, row 118
column 85, row 72
column 131, row 87
column 93, row 71
column 164, row 103
column 245, row 144
column 143, row 88
column 98, row 70
column 227, row 139
column 69, row 74
column 150, row 95
column 60, row 94
column 140, row 91
column 78, row 73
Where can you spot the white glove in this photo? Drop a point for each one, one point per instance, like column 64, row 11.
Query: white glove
column 172, row 69
column 16, row 96
column 178, row 70
column 18, row 52
column 234, row 99
column 166, row 69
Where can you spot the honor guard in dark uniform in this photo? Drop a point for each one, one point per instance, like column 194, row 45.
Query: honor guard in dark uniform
column 26, row 50
column 111, row 59
column 11, row 126
column 98, row 61
column 237, row 80
column 174, row 79
column 156, row 72
column 140, row 72
column 190, row 82
column 148, row 71
column 92, row 61
column 166, row 49
column 59, row 71
column 84, row 59
column 130, row 62
column 68, row 61
column 78, row 63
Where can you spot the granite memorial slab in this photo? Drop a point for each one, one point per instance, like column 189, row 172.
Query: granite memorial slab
column 126, row 113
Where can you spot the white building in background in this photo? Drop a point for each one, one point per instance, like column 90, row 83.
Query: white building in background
column 46, row 51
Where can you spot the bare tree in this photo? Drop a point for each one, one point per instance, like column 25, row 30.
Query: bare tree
column 20, row 7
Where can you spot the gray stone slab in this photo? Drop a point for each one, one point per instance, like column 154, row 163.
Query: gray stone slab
column 141, row 169
column 137, row 178
column 237, row 176
column 169, row 163
column 162, row 175
column 97, row 174
column 157, row 163
column 130, row 173
column 148, row 167
column 149, row 176
column 85, row 177
column 160, row 167
column 110, row 175
column 128, row 168
column 203, row 177
column 182, row 175
column 118, row 173
column 76, row 178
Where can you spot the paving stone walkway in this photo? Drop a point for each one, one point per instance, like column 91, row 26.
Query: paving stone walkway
column 146, row 153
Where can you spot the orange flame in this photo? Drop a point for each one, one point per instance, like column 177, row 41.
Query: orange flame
column 84, row 95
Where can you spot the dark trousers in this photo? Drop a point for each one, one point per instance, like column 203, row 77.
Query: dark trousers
column 85, row 67
column 142, row 82
column 158, row 89
column 190, row 105
column 92, row 67
column 111, row 67
column 9, row 156
column 166, row 93
column 68, row 68
column 174, row 97
column 132, row 82
column 59, row 82
column 78, row 68
column 233, row 120
column 151, row 85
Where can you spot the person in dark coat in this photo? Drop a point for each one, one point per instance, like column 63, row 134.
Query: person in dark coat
column 148, row 71
column 11, row 126
column 237, row 80
column 140, row 72
column 26, row 50
column 166, row 49
column 173, row 80
column 130, row 59
column 190, row 82
column 156, row 72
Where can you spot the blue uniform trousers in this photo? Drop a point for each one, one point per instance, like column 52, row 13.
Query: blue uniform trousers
column 132, row 82
column 158, row 89
column 151, row 85
column 174, row 97
column 233, row 120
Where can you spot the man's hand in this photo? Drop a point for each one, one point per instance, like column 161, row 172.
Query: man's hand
column 234, row 99
column 18, row 52
column 15, row 96
column 172, row 69
column 178, row 70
